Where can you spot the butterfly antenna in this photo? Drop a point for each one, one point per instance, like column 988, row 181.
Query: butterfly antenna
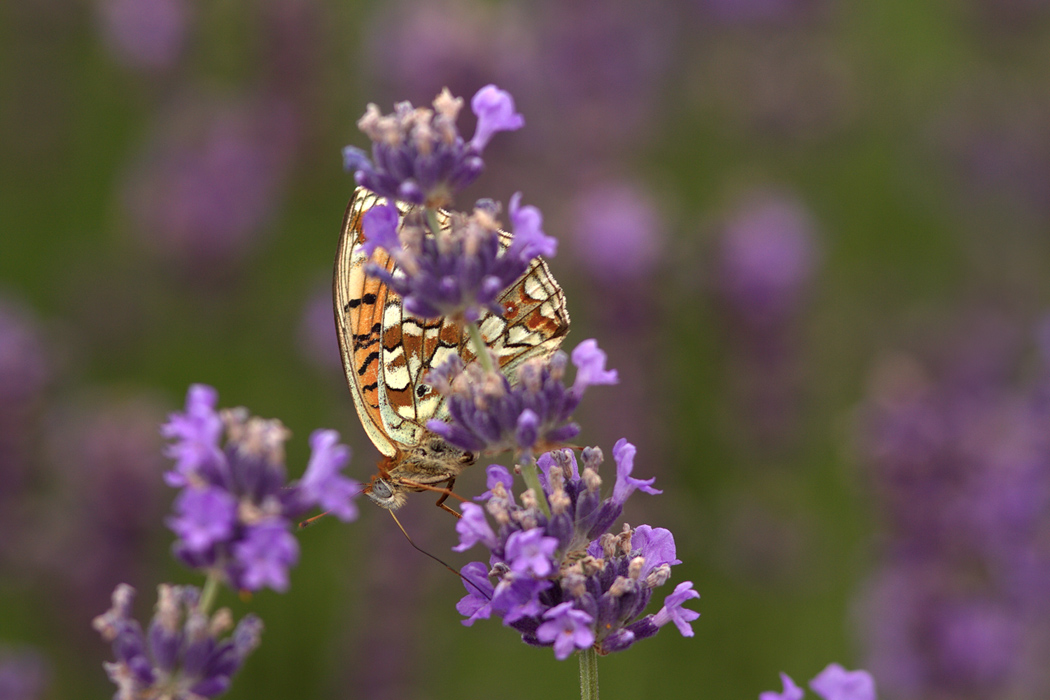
column 435, row 489
column 310, row 521
column 439, row 561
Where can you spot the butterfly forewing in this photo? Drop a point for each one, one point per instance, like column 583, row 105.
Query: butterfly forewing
column 387, row 353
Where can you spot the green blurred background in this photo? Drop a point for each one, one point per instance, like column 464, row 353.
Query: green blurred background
column 170, row 202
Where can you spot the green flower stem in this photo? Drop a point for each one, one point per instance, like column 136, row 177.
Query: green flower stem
column 588, row 674
column 531, row 473
column 480, row 348
column 210, row 592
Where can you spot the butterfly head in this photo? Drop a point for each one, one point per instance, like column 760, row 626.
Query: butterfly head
column 386, row 493
column 430, row 464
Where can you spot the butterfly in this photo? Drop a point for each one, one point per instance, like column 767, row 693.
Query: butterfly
column 387, row 353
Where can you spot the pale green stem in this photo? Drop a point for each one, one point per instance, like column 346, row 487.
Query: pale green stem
column 588, row 674
column 210, row 592
column 531, row 473
column 480, row 348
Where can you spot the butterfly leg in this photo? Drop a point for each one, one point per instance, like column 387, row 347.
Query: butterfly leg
column 448, row 491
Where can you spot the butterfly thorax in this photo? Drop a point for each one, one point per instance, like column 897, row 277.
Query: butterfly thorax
column 431, row 462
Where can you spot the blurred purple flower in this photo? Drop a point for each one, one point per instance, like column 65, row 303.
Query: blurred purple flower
column 996, row 145
column 182, row 655
column 767, row 259
column 790, row 692
column 833, row 683
column 146, row 35
column 210, row 180
column 318, row 344
column 602, row 67
column 416, row 48
column 265, row 554
column 960, row 461
column 836, row 683
column 23, row 674
column 617, row 233
column 24, row 374
column 104, row 459
column 235, row 512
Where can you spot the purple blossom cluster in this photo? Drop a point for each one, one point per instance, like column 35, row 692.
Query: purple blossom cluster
column 833, row 683
column 568, row 580
column 960, row 462
column 460, row 268
column 418, row 155
column 182, row 655
column 490, row 414
column 235, row 511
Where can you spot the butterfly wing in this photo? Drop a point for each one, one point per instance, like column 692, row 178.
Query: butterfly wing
column 387, row 352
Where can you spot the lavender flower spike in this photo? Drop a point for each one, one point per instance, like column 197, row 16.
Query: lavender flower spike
column 418, row 155
column 182, row 655
column 565, row 580
column 534, row 414
column 234, row 515
column 451, row 264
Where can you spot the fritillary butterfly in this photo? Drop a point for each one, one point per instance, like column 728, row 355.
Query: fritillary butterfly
column 387, row 353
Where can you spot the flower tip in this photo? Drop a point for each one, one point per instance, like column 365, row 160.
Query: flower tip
column 495, row 111
column 354, row 160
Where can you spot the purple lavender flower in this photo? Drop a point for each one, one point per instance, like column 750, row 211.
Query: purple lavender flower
column 790, row 692
column 148, row 35
column 565, row 580
column 235, row 512
column 317, row 340
column 416, row 47
column 618, row 233
column 23, row 674
column 767, row 260
column 960, row 463
column 181, row 655
column 24, row 373
column 265, row 554
column 210, row 180
column 418, row 155
column 490, row 414
column 833, row 683
column 836, row 683
column 567, row 628
column 462, row 269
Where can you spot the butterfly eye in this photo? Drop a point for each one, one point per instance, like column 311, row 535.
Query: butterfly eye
column 381, row 490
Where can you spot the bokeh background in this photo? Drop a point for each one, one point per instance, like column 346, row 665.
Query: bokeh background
column 812, row 236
